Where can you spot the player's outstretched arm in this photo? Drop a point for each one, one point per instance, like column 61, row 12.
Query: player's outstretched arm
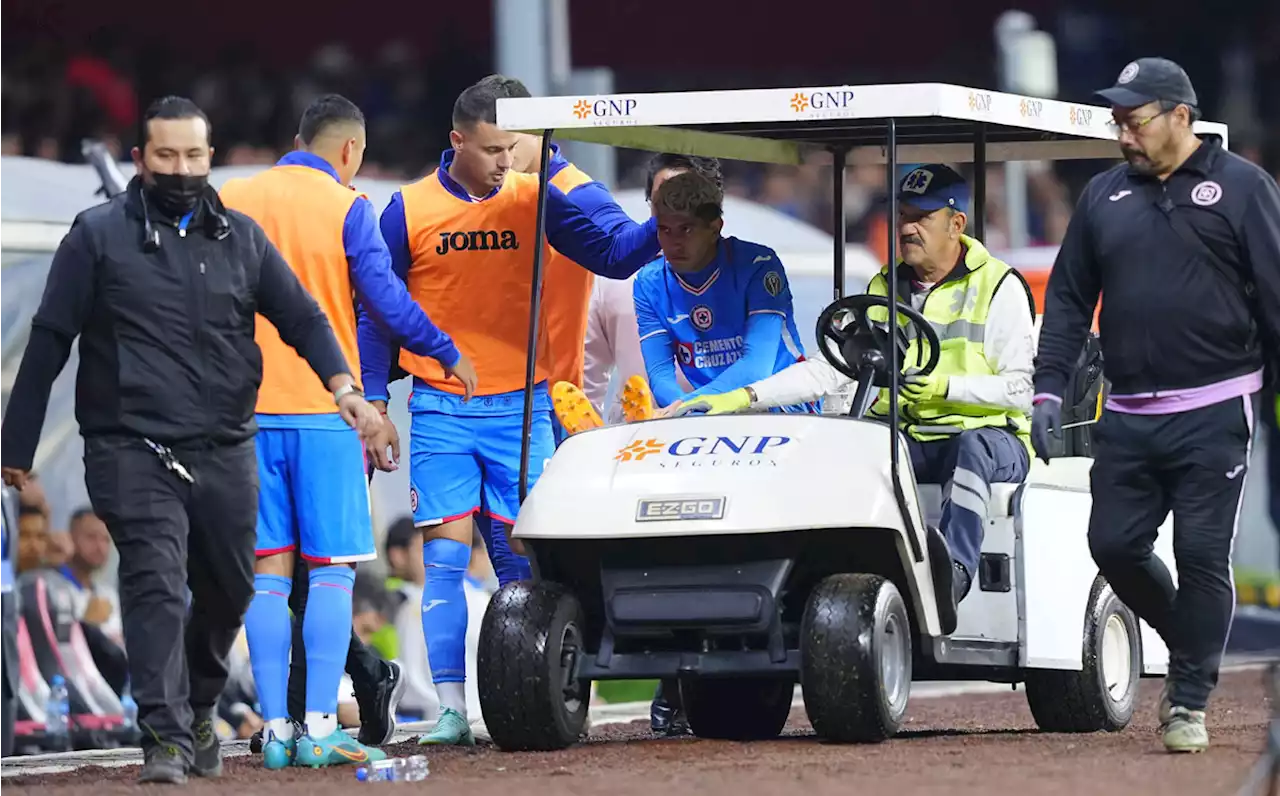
column 656, row 347
column 376, row 347
column 615, row 253
column 383, row 296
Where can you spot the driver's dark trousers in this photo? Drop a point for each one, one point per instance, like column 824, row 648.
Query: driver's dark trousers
column 966, row 466
column 1192, row 464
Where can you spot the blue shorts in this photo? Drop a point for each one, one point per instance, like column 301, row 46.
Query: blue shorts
column 458, row 462
column 312, row 494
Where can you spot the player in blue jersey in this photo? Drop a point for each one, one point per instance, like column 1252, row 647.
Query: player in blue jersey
column 719, row 308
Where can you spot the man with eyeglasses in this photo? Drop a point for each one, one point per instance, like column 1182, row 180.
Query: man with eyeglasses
column 1183, row 239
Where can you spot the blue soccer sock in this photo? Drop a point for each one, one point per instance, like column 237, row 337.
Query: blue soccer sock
column 444, row 618
column 507, row 564
column 269, row 631
column 325, row 635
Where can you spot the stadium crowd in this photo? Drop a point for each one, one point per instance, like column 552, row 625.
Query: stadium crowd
column 55, row 98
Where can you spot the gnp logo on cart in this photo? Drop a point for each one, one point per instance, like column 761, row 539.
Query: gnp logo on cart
column 729, row 451
column 822, row 103
column 611, row 111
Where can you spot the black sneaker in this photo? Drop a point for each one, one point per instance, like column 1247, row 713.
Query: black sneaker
column 207, row 760
column 665, row 714
column 163, row 764
column 960, row 582
column 255, row 740
column 378, row 706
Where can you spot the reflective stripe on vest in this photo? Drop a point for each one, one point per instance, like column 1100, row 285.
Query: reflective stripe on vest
column 957, row 309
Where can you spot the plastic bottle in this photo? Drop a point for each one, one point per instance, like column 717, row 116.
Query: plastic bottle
column 416, row 768
column 397, row 769
column 130, row 711
column 57, row 715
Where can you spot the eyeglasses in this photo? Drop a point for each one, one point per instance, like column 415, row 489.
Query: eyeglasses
column 1134, row 126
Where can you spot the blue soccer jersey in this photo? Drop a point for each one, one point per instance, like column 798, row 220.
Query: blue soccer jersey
column 727, row 325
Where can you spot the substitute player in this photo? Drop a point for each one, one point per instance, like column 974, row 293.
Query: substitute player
column 461, row 236
column 310, row 465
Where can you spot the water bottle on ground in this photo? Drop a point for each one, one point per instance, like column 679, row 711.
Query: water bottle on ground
column 396, row 769
column 416, row 768
column 57, row 719
column 130, row 713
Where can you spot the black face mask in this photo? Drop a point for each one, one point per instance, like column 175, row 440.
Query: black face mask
column 175, row 195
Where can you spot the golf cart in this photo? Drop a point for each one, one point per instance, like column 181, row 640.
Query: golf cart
column 743, row 554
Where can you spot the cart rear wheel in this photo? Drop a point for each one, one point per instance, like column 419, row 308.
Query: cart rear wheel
column 1101, row 695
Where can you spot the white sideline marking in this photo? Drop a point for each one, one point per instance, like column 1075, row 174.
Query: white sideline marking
column 600, row 716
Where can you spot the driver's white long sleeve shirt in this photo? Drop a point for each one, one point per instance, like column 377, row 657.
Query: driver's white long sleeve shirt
column 1008, row 342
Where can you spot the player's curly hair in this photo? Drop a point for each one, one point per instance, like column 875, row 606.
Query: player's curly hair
column 690, row 194
column 707, row 167
column 479, row 102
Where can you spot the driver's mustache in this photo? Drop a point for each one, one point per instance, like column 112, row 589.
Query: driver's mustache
column 912, row 239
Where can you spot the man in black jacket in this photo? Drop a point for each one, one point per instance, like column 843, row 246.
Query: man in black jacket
column 1183, row 241
column 162, row 285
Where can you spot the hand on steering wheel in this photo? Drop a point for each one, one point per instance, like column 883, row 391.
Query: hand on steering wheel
column 863, row 343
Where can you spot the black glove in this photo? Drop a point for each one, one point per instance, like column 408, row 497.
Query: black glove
column 1046, row 425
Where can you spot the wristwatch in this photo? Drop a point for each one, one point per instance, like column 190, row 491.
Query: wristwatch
column 346, row 390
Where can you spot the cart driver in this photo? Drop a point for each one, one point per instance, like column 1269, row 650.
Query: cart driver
column 967, row 421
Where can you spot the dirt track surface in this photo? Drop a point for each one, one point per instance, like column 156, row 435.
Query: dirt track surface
column 955, row 745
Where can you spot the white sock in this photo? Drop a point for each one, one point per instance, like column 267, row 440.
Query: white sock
column 281, row 729
column 321, row 725
column 453, row 695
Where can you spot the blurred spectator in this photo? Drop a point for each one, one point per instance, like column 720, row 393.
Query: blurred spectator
column 97, row 603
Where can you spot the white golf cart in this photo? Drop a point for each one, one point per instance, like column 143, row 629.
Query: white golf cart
column 742, row 554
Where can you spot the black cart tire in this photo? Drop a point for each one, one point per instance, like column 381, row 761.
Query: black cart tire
column 855, row 658
column 530, row 638
column 1101, row 695
column 737, row 709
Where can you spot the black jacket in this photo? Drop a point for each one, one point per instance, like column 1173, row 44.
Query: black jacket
column 1170, row 318
column 167, row 345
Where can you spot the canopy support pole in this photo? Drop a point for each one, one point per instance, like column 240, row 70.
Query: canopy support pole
column 977, row 213
column 535, row 304
column 839, row 158
column 895, row 466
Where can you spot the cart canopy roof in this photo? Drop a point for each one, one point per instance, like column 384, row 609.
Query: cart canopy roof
column 935, row 122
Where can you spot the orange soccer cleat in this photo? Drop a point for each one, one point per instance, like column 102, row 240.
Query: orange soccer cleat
column 573, row 409
column 637, row 400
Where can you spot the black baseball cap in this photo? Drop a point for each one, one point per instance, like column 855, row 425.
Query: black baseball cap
column 1150, row 80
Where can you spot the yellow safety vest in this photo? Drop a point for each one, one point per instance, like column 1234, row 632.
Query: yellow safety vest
column 957, row 308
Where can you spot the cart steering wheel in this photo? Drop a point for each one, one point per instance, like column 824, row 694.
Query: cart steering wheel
column 861, row 346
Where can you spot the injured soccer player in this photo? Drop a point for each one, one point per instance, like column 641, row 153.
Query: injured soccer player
column 967, row 421
column 714, row 309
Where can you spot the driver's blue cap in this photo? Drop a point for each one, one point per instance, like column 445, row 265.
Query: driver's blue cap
column 933, row 187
